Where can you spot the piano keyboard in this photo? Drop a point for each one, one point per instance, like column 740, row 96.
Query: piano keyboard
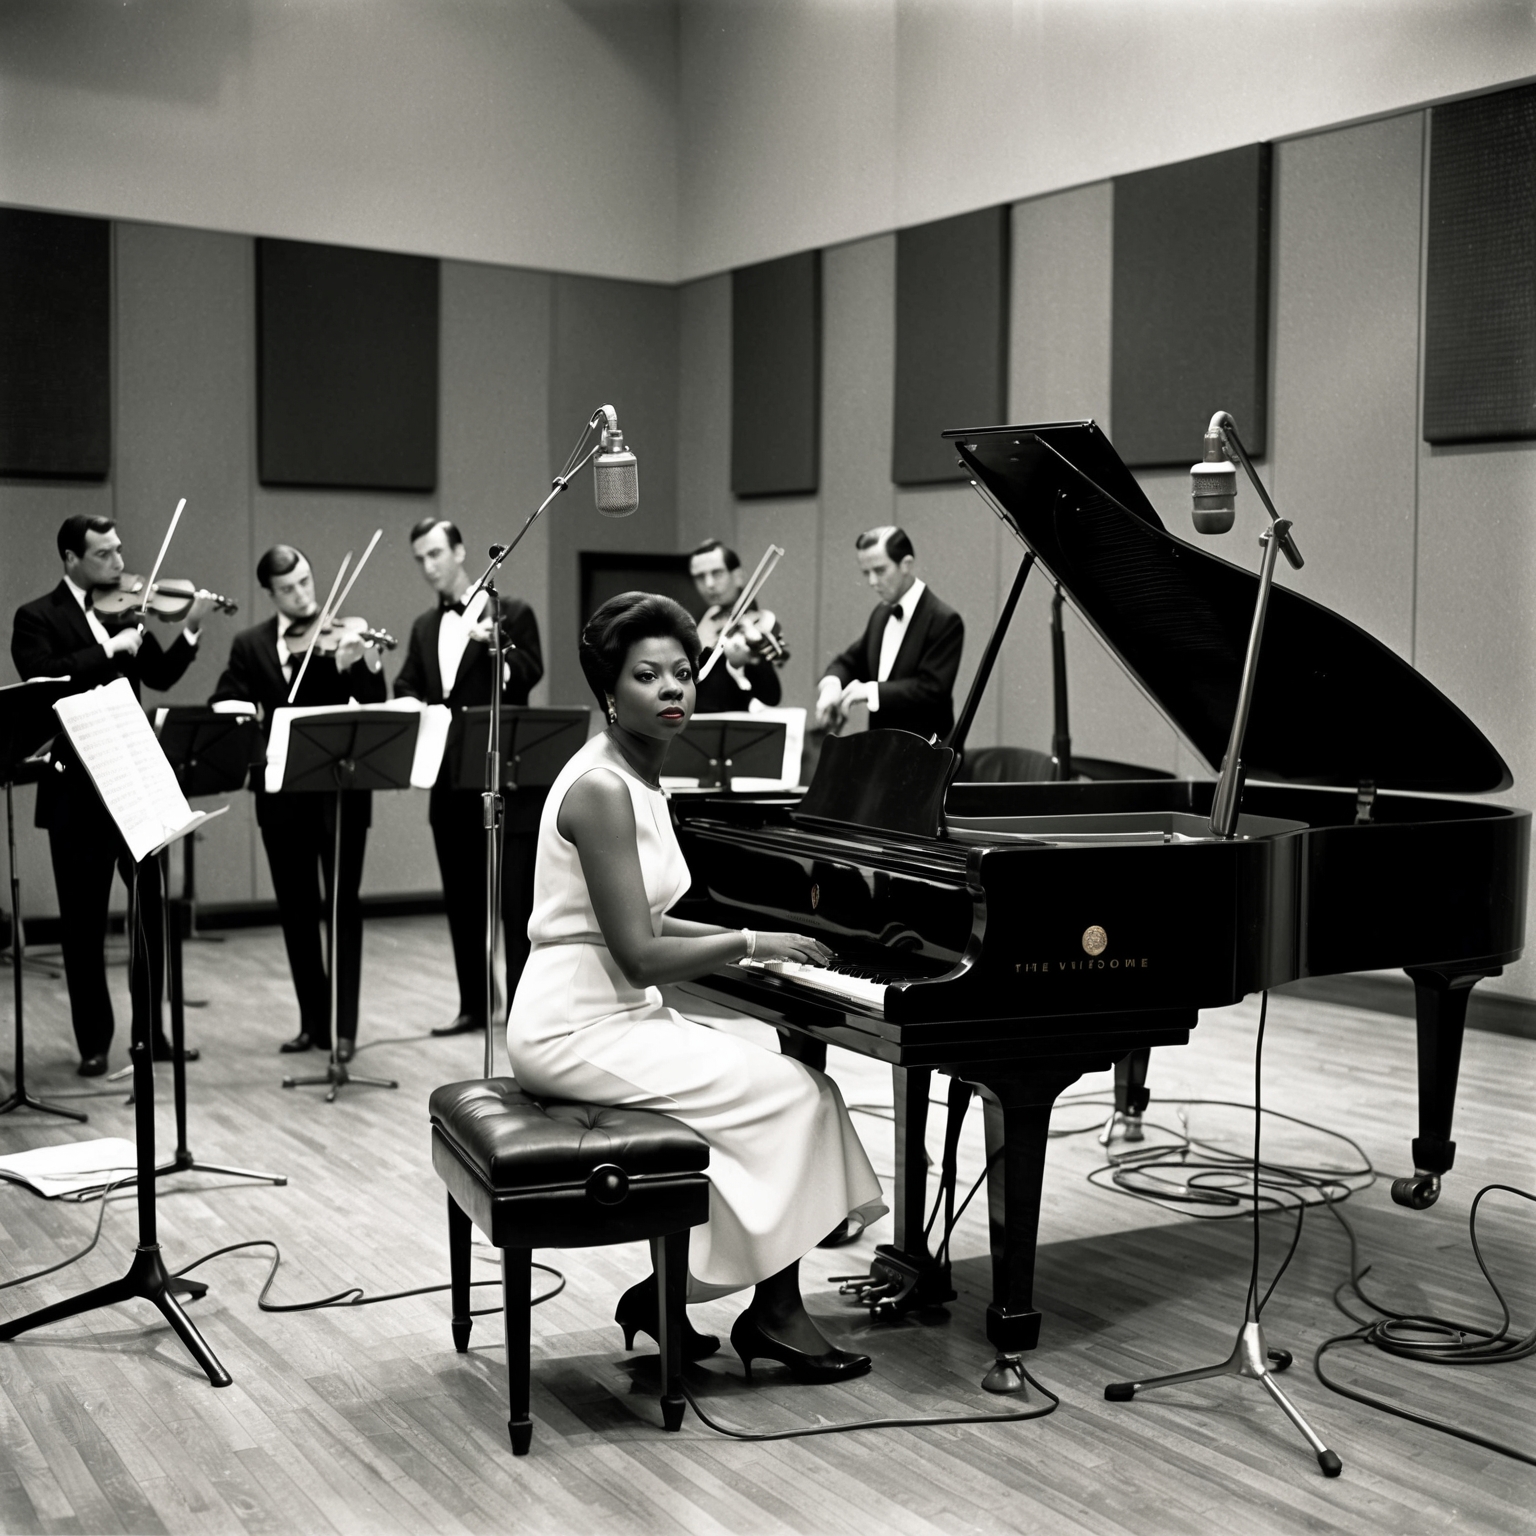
column 845, row 981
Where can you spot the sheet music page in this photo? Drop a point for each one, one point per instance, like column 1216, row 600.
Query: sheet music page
column 117, row 746
column 431, row 740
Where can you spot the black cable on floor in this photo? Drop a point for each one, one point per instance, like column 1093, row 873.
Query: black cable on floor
column 857, row 1424
column 74, row 1258
column 353, row 1296
column 1427, row 1339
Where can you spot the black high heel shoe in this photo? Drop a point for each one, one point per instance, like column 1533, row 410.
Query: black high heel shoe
column 751, row 1343
column 637, row 1313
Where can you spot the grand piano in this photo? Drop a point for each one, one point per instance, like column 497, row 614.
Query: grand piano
column 1014, row 936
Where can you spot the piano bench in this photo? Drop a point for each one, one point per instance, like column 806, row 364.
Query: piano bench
column 543, row 1173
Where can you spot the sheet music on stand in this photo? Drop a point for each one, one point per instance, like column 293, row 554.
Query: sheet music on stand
column 116, row 745
column 430, row 740
column 772, row 760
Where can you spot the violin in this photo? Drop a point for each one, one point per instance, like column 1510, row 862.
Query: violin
column 169, row 598
column 756, row 627
column 327, row 638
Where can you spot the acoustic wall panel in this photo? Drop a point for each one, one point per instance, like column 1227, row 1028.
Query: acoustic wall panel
column 776, row 376
column 951, row 339
column 1480, row 290
column 1191, row 305
column 347, row 366
column 55, row 345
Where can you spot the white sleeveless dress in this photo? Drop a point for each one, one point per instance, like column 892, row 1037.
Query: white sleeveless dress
column 786, row 1165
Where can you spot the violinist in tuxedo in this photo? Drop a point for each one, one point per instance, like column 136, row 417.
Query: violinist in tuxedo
column 448, row 661
column 61, row 634
column 903, row 667
column 299, row 830
column 755, row 648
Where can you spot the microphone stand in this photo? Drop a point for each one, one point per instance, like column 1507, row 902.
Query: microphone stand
column 1274, row 539
column 491, row 800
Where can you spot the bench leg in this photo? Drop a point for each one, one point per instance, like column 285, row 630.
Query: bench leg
column 458, row 1273
column 516, row 1297
column 669, row 1256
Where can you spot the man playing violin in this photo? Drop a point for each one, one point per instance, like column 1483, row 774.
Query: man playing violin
column 754, row 649
column 299, row 830
column 62, row 634
column 448, row 662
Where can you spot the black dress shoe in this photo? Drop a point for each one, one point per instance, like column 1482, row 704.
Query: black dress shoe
column 163, row 1051
column 751, row 1343
column 345, row 1050
column 92, row 1066
column 465, row 1024
column 300, row 1042
column 636, row 1313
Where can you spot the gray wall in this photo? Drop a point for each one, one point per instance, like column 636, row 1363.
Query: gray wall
column 525, row 357
column 1432, row 550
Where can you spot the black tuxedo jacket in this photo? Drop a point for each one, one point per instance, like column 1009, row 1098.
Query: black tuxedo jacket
column 919, row 694
column 51, row 638
column 256, row 675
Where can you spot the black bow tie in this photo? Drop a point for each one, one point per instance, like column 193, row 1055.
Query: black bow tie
column 449, row 606
column 896, row 611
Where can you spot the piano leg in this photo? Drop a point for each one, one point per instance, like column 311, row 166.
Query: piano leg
column 1440, row 1005
column 904, row 1274
column 1018, row 1119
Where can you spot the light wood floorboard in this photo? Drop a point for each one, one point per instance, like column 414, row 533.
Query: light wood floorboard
column 365, row 1420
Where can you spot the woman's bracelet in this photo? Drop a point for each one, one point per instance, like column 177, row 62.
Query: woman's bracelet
column 751, row 939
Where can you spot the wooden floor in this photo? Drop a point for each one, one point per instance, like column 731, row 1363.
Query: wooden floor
column 366, row 1420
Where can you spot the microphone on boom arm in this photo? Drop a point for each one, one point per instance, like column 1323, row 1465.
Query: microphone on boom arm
column 615, row 475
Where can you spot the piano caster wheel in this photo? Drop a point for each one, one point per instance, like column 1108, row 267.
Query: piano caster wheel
column 1279, row 1360
column 1006, row 1375
column 1418, row 1193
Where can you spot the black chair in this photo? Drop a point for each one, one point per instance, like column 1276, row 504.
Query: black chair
column 532, row 1173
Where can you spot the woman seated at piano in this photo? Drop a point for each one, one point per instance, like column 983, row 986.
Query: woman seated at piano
column 587, row 1022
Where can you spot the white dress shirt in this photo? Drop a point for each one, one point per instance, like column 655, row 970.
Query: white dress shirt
column 453, row 638
column 892, row 635
column 98, row 629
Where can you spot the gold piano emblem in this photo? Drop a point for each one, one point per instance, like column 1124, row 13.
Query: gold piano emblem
column 1095, row 940
column 815, row 897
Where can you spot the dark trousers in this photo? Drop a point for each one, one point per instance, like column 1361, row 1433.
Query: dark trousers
column 459, row 836
column 299, row 831
column 85, row 848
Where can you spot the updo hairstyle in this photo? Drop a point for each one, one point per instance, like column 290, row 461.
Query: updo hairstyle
column 618, row 624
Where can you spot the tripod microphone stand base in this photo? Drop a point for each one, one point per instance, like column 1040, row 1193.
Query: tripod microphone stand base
column 21, row 1099
column 146, row 1280
column 189, row 1164
column 338, row 1077
column 1249, row 1358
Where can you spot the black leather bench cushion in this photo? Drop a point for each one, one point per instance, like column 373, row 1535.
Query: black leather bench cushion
column 517, row 1142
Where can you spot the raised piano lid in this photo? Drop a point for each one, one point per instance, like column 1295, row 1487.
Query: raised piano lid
column 1333, row 705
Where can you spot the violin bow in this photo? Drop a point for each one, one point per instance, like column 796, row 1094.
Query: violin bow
column 771, row 557
column 357, row 571
column 321, row 620
column 165, row 545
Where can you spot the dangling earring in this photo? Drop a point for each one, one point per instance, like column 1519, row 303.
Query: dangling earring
column 613, row 714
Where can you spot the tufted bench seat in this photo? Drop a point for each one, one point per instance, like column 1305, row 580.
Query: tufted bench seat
column 544, row 1173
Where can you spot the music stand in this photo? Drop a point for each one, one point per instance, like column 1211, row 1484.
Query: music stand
column 26, row 722
column 536, row 745
column 715, row 750
column 333, row 752
column 211, row 754
column 133, row 798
